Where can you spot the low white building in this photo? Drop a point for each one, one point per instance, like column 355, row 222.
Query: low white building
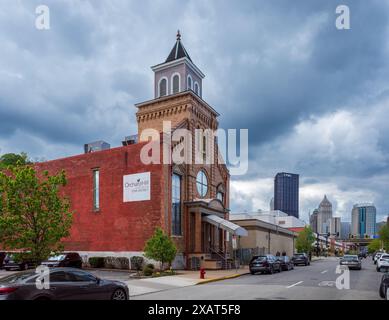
column 275, row 217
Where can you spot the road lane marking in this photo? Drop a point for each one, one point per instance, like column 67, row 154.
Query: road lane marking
column 325, row 271
column 296, row 284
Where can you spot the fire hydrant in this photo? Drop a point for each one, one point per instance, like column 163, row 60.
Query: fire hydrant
column 202, row 273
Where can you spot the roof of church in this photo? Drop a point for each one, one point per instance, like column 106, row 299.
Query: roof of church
column 178, row 50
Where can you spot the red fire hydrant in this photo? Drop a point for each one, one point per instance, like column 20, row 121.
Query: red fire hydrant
column 202, row 273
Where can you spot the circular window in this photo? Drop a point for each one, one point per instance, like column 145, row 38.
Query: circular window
column 202, row 183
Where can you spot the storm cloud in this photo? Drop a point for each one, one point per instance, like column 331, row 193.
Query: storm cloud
column 314, row 98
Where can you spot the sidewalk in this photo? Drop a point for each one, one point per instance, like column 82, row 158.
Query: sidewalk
column 183, row 279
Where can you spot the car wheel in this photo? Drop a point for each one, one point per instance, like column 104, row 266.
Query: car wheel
column 119, row 294
column 252, row 272
column 378, row 269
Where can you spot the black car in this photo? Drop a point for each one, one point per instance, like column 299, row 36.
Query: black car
column 2, row 256
column 69, row 259
column 286, row 263
column 15, row 262
column 384, row 286
column 301, row 258
column 63, row 284
column 264, row 264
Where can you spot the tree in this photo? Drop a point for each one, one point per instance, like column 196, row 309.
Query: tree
column 384, row 236
column 160, row 248
column 304, row 240
column 374, row 246
column 34, row 217
column 12, row 159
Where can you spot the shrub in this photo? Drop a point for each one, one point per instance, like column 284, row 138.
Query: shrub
column 147, row 271
column 151, row 266
column 137, row 263
column 116, row 263
column 124, row 263
column 96, row 262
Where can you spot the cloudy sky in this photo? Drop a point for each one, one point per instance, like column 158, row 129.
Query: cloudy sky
column 314, row 98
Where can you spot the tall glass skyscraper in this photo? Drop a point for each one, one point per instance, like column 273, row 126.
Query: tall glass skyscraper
column 363, row 220
column 286, row 193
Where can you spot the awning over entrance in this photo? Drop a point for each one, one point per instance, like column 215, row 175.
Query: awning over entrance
column 226, row 225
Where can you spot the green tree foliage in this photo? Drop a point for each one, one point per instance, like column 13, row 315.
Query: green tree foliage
column 34, row 216
column 374, row 246
column 12, row 159
column 304, row 240
column 160, row 248
column 384, row 236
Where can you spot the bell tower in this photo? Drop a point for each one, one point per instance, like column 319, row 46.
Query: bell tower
column 178, row 90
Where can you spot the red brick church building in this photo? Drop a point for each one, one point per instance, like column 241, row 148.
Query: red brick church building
column 118, row 201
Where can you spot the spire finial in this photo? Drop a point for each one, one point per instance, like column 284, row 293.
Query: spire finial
column 178, row 35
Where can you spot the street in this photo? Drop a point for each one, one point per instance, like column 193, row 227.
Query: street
column 314, row 282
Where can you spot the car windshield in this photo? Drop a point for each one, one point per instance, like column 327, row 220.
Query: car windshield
column 19, row 277
column 385, row 257
column 299, row 255
column 57, row 258
column 350, row 257
column 260, row 258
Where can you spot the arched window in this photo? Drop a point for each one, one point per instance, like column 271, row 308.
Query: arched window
column 202, row 183
column 162, row 87
column 176, row 83
column 197, row 88
column 190, row 83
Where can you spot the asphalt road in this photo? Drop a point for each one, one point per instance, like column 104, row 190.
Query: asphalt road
column 314, row 282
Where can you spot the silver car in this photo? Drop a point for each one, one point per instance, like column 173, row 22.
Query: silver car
column 63, row 284
column 351, row 261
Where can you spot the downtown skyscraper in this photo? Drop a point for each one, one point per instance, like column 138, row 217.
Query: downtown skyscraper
column 363, row 220
column 286, row 193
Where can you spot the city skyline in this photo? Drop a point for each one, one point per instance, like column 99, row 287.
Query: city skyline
column 322, row 120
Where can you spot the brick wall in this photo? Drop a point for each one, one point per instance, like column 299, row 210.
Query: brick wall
column 117, row 226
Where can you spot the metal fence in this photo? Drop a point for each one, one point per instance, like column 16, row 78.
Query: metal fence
column 244, row 255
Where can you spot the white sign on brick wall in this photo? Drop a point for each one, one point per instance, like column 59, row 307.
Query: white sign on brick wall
column 136, row 187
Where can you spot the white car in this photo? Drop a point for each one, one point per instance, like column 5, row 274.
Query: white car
column 377, row 256
column 383, row 262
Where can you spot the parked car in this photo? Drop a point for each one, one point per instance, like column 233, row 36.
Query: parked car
column 384, row 286
column 65, row 284
column 69, row 259
column 383, row 262
column 377, row 256
column 2, row 256
column 264, row 264
column 286, row 263
column 11, row 262
column 351, row 261
column 301, row 258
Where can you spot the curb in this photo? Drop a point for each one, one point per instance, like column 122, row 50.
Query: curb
column 222, row 278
